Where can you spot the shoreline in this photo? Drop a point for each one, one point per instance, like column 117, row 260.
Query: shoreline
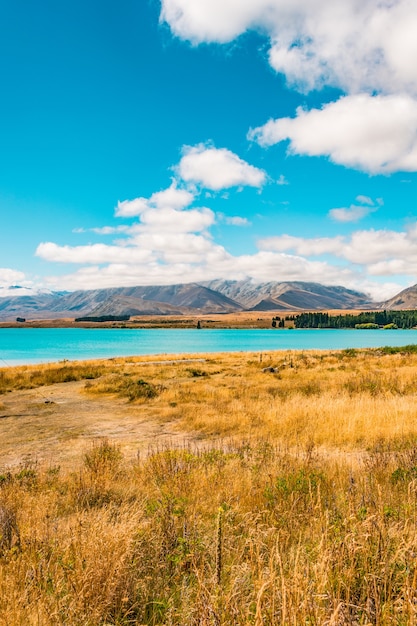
column 244, row 320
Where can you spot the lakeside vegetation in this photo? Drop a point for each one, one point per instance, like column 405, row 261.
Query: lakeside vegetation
column 368, row 319
column 295, row 504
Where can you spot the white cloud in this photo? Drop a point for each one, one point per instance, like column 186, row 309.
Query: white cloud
column 377, row 134
column 10, row 277
column 109, row 230
column 165, row 258
column 371, row 247
column 216, row 169
column 237, row 221
column 232, row 220
column 92, row 253
column 351, row 214
column 282, row 180
column 380, row 252
column 102, row 230
column 201, row 264
column 302, row 246
column 131, row 208
column 210, row 20
column 15, row 283
column 356, row 45
column 172, row 221
column 365, row 200
column 168, row 245
column 172, row 198
column 181, row 248
column 169, row 242
column 363, row 47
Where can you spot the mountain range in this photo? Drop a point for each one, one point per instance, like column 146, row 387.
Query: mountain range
column 216, row 296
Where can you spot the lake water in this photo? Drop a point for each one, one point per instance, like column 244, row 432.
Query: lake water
column 40, row 345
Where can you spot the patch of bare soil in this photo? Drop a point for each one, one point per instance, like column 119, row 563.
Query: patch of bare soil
column 56, row 424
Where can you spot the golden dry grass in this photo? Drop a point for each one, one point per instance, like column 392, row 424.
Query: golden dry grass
column 346, row 399
column 340, row 399
column 297, row 503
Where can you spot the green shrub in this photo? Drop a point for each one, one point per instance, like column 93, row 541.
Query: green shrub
column 369, row 326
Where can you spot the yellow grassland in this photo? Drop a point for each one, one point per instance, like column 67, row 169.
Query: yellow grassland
column 294, row 500
column 240, row 319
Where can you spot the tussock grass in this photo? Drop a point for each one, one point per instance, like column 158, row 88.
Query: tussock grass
column 351, row 398
column 301, row 510
column 30, row 377
column 243, row 533
column 125, row 386
column 348, row 398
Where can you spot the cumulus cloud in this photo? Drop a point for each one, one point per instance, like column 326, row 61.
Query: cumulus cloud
column 365, row 200
column 92, row 253
column 169, row 240
column 160, row 257
column 355, row 45
column 362, row 47
column 371, row 247
column 172, row 221
column 172, row 198
column 380, row 252
column 218, row 263
column 167, row 235
column 351, row 214
column 217, row 168
column 210, row 20
column 15, row 283
column 132, row 208
column 10, row 277
column 377, row 134
column 355, row 212
column 205, row 263
column 302, row 246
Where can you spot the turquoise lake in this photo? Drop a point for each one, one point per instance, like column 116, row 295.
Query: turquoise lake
column 41, row 345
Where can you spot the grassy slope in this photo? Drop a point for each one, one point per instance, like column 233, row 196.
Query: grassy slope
column 296, row 505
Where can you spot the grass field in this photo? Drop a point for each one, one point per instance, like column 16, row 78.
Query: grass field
column 292, row 501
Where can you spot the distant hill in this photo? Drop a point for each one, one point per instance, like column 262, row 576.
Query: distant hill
column 216, row 296
column 405, row 300
column 291, row 296
column 181, row 299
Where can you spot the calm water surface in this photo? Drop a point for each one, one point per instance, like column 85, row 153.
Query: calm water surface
column 39, row 345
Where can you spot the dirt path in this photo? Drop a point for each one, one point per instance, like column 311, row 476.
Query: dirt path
column 56, row 424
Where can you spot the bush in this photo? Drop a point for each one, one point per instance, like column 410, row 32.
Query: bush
column 369, row 326
column 125, row 386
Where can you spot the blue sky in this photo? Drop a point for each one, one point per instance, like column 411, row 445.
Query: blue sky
column 148, row 142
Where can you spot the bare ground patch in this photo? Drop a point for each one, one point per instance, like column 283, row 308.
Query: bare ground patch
column 54, row 424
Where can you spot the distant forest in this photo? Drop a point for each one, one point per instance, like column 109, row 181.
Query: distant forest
column 392, row 319
column 103, row 318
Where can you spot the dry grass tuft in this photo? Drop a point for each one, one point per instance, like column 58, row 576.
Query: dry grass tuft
column 29, row 377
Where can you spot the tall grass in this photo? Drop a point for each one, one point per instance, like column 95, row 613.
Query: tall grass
column 348, row 398
column 234, row 534
column 296, row 505
column 29, row 377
